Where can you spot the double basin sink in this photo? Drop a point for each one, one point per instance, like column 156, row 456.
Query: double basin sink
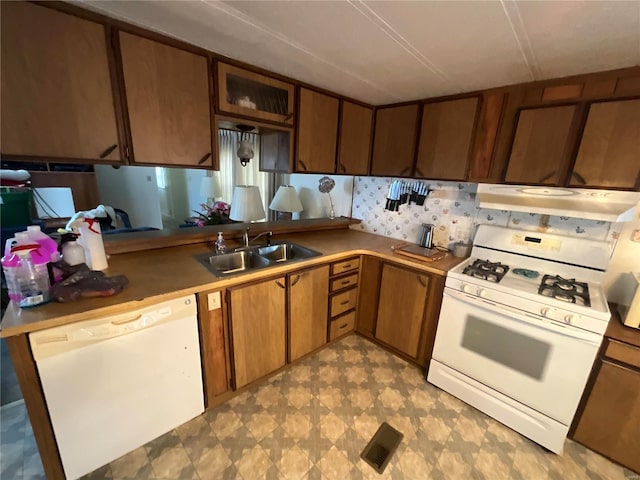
column 248, row 259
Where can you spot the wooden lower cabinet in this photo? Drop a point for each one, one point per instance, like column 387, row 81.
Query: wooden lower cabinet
column 403, row 298
column 369, row 290
column 308, row 308
column 214, row 345
column 609, row 422
column 257, row 317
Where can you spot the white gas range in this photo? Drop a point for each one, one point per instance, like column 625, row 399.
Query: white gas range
column 521, row 322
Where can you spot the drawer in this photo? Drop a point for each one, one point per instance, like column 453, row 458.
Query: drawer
column 344, row 282
column 342, row 325
column 345, row 266
column 623, row 353
column 341, row 302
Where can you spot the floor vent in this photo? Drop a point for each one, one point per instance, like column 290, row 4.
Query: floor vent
column 381, row 447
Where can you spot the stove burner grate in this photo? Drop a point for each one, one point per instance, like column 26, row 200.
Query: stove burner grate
column 567, row 290
column 486, row 270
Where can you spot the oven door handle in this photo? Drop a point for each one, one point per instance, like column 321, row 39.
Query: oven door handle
column 533, row 320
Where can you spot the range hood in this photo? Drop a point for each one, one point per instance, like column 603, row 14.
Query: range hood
column 605, row 205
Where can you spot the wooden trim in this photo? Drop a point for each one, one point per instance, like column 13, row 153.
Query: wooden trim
column 29, row 380
column 120, row 86
column 150, row 240
column 117, row 89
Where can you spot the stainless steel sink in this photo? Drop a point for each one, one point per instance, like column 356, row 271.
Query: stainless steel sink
column 286, row 252
column 255, row 258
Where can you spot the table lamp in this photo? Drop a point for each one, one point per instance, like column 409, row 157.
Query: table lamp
column 246, row 205
column 210, row 189
column 285, row 202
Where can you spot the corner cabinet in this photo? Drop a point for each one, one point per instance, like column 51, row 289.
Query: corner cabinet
column 394, row 141
column 168, row 102
column 308, row 295
column 258, row 323
column 407, row 322
column 58, row 97
column 249, row 94
column 356, row 129
column 446, row 136
column 609, row 152
column 317, row 132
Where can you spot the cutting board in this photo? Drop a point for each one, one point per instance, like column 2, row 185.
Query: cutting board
column 420, row 253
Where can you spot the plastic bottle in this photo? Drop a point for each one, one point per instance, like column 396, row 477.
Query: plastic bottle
column 221, row 246
column 44, row 240
column 91, row 240
column 10, row 264
column 33, row 283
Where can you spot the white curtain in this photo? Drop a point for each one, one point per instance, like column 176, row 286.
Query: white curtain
column 232, row 173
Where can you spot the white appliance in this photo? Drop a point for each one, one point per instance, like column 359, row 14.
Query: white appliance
column 114, row 383
column 630, row 310
column 521, row 322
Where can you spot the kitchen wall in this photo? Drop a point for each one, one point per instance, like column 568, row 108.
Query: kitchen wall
column 451, row 208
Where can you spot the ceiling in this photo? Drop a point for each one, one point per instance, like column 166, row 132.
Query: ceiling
column 384, row 52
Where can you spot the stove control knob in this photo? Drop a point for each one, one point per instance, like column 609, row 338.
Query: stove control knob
column 544, row 312
column 481, row 292
column 568, row 319
column 467, row 288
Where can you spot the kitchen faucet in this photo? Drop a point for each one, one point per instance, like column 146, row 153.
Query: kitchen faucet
column 246, row 242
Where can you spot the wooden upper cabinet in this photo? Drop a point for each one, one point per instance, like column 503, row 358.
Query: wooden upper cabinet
column 487, row 128
column 609, row 153
column 308, row 310
column 355, row 139
column 56, row 98
column 317, row 132
column 400, row 317
column 394, row 141
column 168, row 101
column 541, row 145
column 445, row 139
column 251, row 94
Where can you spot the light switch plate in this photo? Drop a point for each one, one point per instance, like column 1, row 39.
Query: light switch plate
column 213, row 299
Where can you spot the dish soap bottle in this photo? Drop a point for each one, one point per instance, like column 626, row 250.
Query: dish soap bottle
column 221, row 246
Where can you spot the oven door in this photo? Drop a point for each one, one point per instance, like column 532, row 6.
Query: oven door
column 537, row 362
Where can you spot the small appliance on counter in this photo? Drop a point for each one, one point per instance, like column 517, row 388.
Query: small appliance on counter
column 630, row 314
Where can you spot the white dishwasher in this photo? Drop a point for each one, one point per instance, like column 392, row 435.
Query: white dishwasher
column 114, row 383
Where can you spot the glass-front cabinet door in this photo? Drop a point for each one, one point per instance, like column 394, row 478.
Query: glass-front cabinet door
column 254, row 95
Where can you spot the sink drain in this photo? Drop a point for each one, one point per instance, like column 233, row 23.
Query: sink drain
column 381, row 447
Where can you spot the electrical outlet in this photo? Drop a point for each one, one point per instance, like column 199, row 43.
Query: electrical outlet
column 635, row 236
column 213, row 299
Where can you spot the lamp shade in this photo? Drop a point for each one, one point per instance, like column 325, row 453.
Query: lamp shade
column 209, row 187
column 286, row 200
column 246, row 205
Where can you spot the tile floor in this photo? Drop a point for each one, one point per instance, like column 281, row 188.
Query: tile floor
column 313, row 420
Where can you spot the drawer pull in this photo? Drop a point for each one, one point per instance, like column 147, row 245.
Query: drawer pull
column 344, row 303
column 344, row 282
column 347, row 266
column 344, row 325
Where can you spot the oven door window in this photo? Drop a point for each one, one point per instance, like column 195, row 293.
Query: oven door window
column 514, row 350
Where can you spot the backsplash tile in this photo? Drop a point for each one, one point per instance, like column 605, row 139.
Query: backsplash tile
column 452, row 209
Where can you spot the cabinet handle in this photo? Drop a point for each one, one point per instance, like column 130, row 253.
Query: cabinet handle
column 344, row 282
column 204, row 159
column 547, row 177
column 289, row 115
column 344, row 303
column 297, row 279
column 108, row 151
column 279, row 284
column 579, row 177
column 304, row 167
column 343, row 168
column 343, row 326
column 419, row 172
column 422, row 280
column 344, row 267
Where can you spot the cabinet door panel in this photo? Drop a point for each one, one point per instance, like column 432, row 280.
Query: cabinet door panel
column 258, row 329
column 57, row 98
column 308, row 309
column 394, row 141
column 400, row 316
column 609, row 154
column 610, row 422
column 445, row 139
column 539, row 151
column 215, row 348
column 355, row 139
column 317, row 132
column 368, row 291
column 168, row 103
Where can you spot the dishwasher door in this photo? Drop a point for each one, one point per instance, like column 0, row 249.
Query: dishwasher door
column 114, row 383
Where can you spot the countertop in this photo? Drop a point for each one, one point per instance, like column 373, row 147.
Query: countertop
column 165, row 273
column 616, row 330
